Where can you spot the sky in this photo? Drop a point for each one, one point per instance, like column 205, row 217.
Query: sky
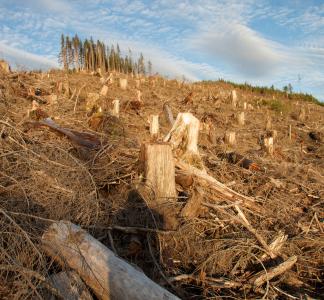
column 262, row 42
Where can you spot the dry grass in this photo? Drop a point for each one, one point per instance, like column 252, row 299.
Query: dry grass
column 43, row 178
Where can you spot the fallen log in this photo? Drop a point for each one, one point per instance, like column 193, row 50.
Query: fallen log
column 83, row 139
column 69, row 286
column 107, row 275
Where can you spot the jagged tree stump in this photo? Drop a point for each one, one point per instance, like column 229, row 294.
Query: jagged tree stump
column 115, row 110
column 183, row 138
column 268, row 145
column 168, row 113
column 230, row 138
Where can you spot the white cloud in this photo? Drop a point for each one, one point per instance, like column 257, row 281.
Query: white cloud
column 21, row 58
column 242, row 48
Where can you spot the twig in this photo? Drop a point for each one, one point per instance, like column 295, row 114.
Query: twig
column 260, row 279
column 133, row 230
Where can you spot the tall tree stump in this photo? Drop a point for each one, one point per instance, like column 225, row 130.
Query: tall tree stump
column 115, row 110
column 159, row 173
column 183, row 138
column 230, row 138
column 159, row 169
column 104, row 91
column 241, row 118
column 302, row 115
column 154, row 126
column 234, row 98
column 168, row 113
column 268, row 145
column 123, row 83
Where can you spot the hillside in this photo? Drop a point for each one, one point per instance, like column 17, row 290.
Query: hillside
column 211, row 252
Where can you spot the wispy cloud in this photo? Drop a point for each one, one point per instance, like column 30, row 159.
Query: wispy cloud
column 21, row 58
column 242, row 48
column 259, row 41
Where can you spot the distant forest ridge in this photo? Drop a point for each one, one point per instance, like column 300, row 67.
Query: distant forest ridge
column 287, row 91
column 88, row 55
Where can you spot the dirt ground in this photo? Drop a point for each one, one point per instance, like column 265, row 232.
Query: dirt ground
column 45, row 177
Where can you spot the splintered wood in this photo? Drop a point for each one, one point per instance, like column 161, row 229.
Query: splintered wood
column 107, row 275
column 183, row 138
column 230, row 138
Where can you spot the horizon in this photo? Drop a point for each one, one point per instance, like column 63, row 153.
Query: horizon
column 263, row 43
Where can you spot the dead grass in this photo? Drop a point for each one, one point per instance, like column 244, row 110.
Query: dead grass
column 43, row 177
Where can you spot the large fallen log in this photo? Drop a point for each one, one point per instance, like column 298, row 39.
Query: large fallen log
column 107, row 275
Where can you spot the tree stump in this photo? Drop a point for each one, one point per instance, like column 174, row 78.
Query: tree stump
column 154, row 126
column 4, row 66
column 245, row 106
column 183, row 138
column 241, row 118
column 159, row 173
column 168, row 113
column 159, row 169
column 234, row 98
column 268, row 145
column 302, row 115
column 107, row 275
column 230, row 138
column 123, row 83
column 104, row 91
column 115, row 110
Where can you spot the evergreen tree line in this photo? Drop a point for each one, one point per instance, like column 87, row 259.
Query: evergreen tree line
column 76, row 54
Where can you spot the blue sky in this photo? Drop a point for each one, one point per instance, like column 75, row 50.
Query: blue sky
column 261, row 42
